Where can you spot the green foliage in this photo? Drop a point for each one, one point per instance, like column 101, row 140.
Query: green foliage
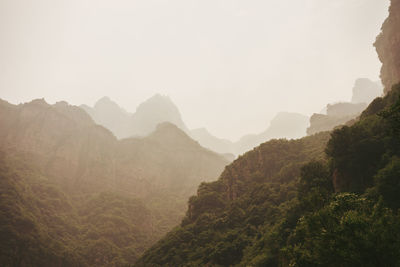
column 248, row 202
column 350, row 231
column 388, row 183
column 40, row 225
column 283, row 204
column 315, row 186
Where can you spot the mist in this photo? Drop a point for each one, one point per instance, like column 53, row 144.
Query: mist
column 229, row 66
column 200, row 133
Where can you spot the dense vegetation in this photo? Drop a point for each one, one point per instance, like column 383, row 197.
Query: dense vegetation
column 71, row 194
column 308, row 202
column 41, row 225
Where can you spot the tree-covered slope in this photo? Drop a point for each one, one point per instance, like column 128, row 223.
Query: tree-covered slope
column 228, row 215
column 287, row 203
column 72, row 194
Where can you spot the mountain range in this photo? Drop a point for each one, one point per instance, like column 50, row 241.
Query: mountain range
column 75, row 179
column 329, row 199
column 364, row 92
column 75, row 193
column 160, row 108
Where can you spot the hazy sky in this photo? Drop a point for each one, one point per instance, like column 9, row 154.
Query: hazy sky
column 229, row 65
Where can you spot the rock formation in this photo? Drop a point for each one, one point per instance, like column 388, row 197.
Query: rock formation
column 388, row 47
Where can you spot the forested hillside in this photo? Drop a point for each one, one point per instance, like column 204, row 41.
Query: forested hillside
column 330, row 199
column 324, row 200
column 73, row 195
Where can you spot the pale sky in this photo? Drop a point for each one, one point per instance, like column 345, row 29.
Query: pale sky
column 229, row 65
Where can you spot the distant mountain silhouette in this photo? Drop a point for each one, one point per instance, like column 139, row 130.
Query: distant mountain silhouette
column 137, row 186
column 148, row 115
column 108, row 114
column 206, row 139
column 283, row 125
column 159, row 109
column 364, row 91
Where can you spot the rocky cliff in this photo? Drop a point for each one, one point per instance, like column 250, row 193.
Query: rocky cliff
column 388, row 47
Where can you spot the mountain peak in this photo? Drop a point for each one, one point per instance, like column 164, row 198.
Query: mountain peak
column 158, row 100
column 156, row 110
column 106, row 102
column 169, row 134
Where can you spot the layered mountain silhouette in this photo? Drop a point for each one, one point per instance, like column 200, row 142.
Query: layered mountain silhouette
column 315, row 201
column 364, row 91
column 283, row 125
column 120, row 195
column 148, row 115
column 160, row 109
column 281, row 203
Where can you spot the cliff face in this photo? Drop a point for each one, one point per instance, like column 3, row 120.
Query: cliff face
column 388, row 47
column 364, row 91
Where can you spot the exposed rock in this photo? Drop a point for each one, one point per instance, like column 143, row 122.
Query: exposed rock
column 388, row 47
column 345, row 109
column 322, row 123
column 365, row 90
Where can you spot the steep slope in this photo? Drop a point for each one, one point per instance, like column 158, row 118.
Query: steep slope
column 364, row 91
column 108, row 114
column 226, row 216
column 283, row 202
column 271, row 207
column 121, row 196
column 387, row 46
column 206, row 139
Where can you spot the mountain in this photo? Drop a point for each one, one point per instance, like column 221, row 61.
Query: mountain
column 330, row 199
column 206, row 139
column 283, row 125
column 364, row 91
column 387, row 45
column 154, row 111
column 108, row 114
column 226, row 217
column 75, row 195
column 337, row 114
column 148, row 115
column 283, row 202
column 160, row 109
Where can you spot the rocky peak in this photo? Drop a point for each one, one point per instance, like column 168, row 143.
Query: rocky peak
column 156, row 110
column 170, row 134
column 388, row 47
column 365, row 90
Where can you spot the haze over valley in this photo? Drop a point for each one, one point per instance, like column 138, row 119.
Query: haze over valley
column 200, row 133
